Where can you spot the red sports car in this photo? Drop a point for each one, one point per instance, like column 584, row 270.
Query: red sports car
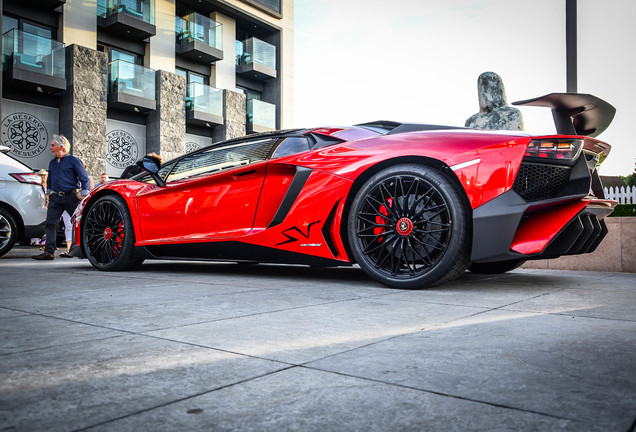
column 414, row 205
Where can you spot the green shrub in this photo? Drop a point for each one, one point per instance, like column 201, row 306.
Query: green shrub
column 624, row 210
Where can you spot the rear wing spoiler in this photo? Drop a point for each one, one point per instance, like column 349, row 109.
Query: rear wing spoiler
column 575, row 113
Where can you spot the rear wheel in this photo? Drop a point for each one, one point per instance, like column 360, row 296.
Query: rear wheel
column 409, row 227
column 108, row 237
column 495, row 267
column 8, row 231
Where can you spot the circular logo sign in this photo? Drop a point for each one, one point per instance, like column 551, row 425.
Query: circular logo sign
column 121, row 149
column 25, row 134
column 192, row 146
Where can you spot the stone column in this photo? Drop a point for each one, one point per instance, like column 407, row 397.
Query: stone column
column 165, row 129
column 234, row 117
column 83, row 106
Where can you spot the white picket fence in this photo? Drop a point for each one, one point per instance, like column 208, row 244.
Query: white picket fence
column 623, row 194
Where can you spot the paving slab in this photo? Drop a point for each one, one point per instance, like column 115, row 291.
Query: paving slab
column 222, row 346
column 300, row 335
column 299, row 399
column 514, row 359
column 78, row 385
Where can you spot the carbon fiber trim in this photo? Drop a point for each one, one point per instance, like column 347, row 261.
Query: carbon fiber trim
column 297, row 184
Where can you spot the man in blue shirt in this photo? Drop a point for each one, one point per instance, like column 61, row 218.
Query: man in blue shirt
column 66, row 175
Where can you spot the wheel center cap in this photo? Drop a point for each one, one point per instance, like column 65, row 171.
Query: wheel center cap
column 108, row 233
column 404, row 226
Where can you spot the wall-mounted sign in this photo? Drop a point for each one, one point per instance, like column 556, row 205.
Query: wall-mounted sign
column 122, row 149
column 125, row 145
column 27, row 130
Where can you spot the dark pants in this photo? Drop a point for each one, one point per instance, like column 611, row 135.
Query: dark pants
column 57, row 205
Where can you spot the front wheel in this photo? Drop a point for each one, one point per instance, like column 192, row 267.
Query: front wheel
column 108, row 237
column 8, row 231
column 409, row 227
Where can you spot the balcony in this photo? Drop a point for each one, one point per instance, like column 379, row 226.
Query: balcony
column 204, row 105
column 49, row 4
column 31, row 61
column 271, row 7
column 131, row 18
column 261, row 116
column 256, row 60
column 131, row 87
column 199, row 38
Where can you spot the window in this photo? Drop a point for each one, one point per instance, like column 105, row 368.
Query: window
column 37, row 30
column 192, row 77
column 9, row 23
column 224, row 156
column 120, row 54
column 291, row 145
column 163, row 172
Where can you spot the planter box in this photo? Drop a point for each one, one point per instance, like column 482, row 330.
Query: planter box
column 616, row 253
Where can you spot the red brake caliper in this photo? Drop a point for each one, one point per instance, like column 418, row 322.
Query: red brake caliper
column 382, row 221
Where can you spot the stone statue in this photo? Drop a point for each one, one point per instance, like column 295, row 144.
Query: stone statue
column 494, row 112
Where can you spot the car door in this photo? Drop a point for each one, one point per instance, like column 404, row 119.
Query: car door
column 209, row 194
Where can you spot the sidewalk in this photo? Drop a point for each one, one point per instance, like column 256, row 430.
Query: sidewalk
column 193, row 346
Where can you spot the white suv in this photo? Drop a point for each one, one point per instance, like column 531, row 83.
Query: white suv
column 22, row 202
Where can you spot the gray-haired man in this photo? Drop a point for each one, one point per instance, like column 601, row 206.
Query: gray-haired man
column 66, row 174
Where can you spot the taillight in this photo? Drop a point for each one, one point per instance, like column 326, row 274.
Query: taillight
column 33, row 178
column 557, row 148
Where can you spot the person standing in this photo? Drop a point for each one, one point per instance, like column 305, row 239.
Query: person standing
column 66, row 175
column 104, row 179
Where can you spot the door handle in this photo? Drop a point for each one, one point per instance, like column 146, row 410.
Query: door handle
column 244, row 174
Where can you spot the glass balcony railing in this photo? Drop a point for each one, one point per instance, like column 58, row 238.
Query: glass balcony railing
column 143, row 10
column 256, row 51
column 22, row 50
column 260, row 115
column 201, row 97
column 131, row 79
column 196, row 27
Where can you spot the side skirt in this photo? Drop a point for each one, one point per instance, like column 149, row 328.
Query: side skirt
column 235, row 251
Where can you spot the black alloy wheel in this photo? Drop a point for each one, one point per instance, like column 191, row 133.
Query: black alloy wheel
column 108, row 237
column 8, row 231
column 409, row 227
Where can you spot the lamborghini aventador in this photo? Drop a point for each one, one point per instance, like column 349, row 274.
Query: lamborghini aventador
column 414, row 205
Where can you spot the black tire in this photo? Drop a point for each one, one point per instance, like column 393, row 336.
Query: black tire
column 495, row 267
column 410, row 227
column 108, row 237
column 8, row 231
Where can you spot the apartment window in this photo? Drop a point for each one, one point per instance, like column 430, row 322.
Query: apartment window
column 192, row 77
column 11, row 23
column 249, row 94
column 120, row 54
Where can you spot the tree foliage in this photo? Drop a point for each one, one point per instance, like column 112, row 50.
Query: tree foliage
column 630, row 179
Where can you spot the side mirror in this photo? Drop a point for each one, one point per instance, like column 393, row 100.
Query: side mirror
column 151, row 165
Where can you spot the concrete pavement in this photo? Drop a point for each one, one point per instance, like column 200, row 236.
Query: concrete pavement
column 219, row 347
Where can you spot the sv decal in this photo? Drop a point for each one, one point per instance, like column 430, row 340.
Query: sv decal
column 291, row 238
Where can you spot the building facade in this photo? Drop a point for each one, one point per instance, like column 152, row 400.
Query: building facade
column 122, row 78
